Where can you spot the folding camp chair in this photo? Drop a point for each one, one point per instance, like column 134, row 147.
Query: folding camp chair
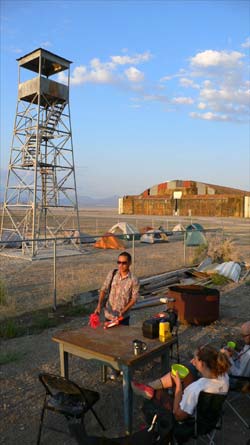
column 204, row 425
column 66, row 397
column 240, row 387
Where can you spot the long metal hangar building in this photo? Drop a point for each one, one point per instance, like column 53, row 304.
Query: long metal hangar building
column 188, row 198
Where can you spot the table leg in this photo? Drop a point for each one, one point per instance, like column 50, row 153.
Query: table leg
column 64, row 362
column 165, row 362
column 104, row 373
column 127, row 399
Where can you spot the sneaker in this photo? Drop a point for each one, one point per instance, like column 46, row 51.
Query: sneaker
column 143, row 390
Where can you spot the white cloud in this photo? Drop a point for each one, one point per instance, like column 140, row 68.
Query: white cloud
column 224, row 90
column 246, row 44
column 201, row 106
column 131, row 60
column 134, row 75
column 166, row 78
column 183, row 100
column 218, row 82
column 100, row 75
column 188, row 83
column 239, row 96
column 62, row 78
column 81, row 75
column 155, row 98
column 46, row 44
column 207, row 83
column 211, row 58
column 180, row 73
column 108, row 72
column 96, row 64
column 149, row 98
column 220, row 91
column 209, row 116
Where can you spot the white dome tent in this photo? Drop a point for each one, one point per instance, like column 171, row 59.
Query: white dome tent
column 127, row 231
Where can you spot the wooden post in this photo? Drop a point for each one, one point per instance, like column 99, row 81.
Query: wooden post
column 184, row 247
column 133, row 253
column 54, row 281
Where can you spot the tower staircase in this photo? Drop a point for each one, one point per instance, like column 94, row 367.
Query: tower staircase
column 53, row 117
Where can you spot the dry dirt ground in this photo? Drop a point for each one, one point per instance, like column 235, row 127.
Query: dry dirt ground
column 22, row 394
column 30, row 284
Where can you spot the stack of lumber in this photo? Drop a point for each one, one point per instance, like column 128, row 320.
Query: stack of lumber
column 153, row 289
column 157, row 282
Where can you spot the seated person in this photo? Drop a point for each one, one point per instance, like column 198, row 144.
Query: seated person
column 240, row 362
column 213, row 366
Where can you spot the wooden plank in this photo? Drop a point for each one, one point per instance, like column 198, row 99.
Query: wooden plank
column 163, row 275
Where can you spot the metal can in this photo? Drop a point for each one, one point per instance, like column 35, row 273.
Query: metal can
column 139, row 347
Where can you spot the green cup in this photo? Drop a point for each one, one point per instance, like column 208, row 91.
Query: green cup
column 231, row 344
column 182, row 370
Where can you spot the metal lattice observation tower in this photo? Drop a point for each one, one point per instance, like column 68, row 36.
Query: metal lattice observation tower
column 40, row 198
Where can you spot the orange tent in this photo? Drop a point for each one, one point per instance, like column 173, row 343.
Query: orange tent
column 109, row 241
column 145, row 229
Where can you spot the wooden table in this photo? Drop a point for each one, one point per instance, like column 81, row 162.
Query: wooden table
column 113, row 347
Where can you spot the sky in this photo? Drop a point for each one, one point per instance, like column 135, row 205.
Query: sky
column 159, row 89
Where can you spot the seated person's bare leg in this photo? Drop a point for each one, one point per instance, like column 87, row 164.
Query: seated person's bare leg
column 166, row 381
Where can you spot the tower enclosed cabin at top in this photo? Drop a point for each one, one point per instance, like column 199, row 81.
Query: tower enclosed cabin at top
column 40, row 197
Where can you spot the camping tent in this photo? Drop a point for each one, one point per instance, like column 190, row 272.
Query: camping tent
column 194, row 226
column 154, row 236
column 73, row 236
column 178, row 231
column 194, row 237
column 145, row 229
column 109, row 241
column 86, row 238
column 179, row 228
column 13, row 238
column 125, row 231
column 167, row 232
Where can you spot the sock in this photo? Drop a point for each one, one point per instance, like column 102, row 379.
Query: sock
column 156, row 384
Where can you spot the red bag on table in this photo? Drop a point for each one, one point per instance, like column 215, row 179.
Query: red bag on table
column 94, row 321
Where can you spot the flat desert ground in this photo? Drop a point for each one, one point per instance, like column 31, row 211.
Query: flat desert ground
column 30, row 286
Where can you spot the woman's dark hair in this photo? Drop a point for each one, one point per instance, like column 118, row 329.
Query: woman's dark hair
column 127, row 255
column 216, row 361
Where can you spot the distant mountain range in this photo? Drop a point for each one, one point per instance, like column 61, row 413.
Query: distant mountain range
column 85, row 201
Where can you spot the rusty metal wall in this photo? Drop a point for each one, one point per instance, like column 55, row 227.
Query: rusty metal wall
column 208, row 205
